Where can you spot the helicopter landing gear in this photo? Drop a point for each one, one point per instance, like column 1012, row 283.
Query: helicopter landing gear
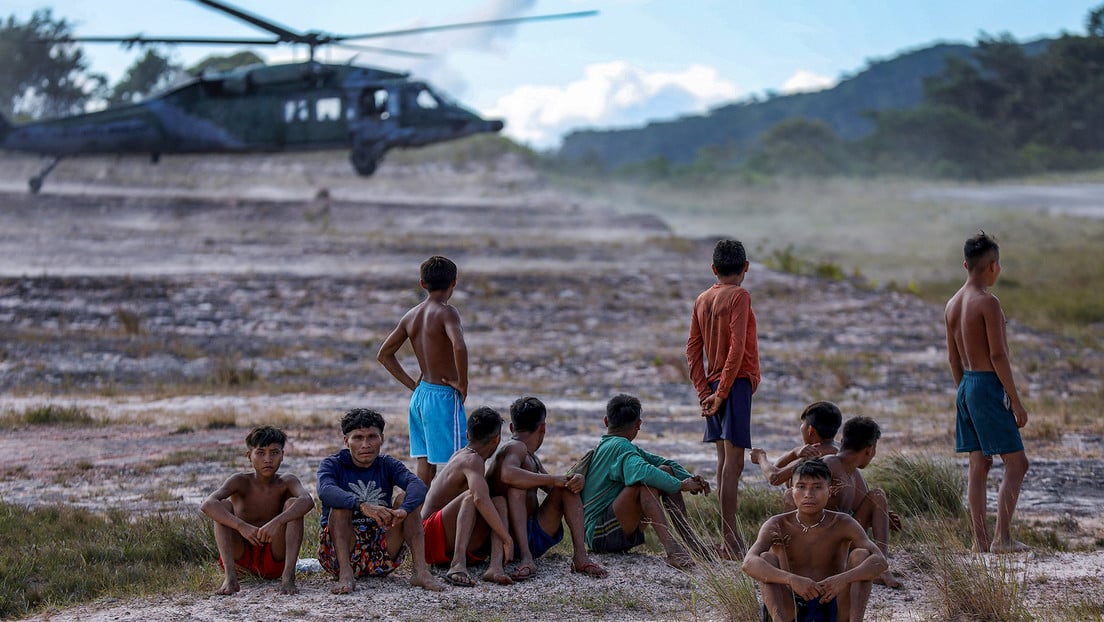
column 366, row 159
column 35, row 182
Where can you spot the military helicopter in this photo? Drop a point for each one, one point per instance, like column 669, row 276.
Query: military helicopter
column 267, row 108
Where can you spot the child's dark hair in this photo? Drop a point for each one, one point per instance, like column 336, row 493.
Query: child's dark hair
column 483, row 424
column 813, row 468
column 729, row 257
column 824, row 417
column 622, row 411
column 527, row 413
column 860, row 433
column 265, row 435
column 361, row 418
column 978, row 249
column 438, row 273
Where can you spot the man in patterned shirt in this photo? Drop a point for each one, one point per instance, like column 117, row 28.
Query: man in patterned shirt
column 364, row 533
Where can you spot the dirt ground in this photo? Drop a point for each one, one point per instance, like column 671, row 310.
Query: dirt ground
column 186, row 306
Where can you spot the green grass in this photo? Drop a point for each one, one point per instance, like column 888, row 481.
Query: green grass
column 55, row 556
column 47, row 414
column 918, row 485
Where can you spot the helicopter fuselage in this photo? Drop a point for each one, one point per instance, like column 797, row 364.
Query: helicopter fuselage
column 300, row 106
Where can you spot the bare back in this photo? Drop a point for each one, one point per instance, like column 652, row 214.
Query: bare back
column 427, row 327
column 848, row 487
column 452, row 481
column 974, row 321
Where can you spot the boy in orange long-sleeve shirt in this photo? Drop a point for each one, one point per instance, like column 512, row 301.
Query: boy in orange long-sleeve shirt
column 722, row 334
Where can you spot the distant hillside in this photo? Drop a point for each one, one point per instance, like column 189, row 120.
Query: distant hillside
column 890, row 84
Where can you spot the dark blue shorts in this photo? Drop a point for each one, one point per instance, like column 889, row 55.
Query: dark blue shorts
column 539, row 542
column 809, row 610
column 733, row 420
column 984, row 421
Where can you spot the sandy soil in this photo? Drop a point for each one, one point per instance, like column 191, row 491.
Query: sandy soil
column 173, row 312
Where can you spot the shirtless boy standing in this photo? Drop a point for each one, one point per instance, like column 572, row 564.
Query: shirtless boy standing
column 850, row 494
column 459, row 511
column 812, row 563
column 990, row 413
column 516, row 473
column 723, row 333
column 437, row 406
column 364, row 533
column 259, row 516
column 819, row 423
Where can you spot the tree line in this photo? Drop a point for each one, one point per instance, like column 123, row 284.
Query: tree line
column 44, row 77
column 1001, row 108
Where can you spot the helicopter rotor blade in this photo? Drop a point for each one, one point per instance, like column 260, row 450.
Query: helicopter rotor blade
column 493, row 22
column 143, row 40
column 285, row 33
column 379, row 50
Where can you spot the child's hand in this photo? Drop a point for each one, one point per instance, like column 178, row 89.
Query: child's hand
column 804, row 587
column 1021, row 415
column 809, row 451
column 251, row 534
column 711, row 405
column 758, row 456
column 831, row 588
column 575, row 483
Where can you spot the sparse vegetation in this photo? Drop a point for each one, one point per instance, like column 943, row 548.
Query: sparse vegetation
column 54, row 556
column 47, row 414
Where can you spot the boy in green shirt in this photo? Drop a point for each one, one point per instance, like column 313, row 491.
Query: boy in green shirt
column 627, row 487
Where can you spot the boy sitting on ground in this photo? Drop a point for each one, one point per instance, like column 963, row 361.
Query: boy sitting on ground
column 259, row 516
column 627, row 488
column 516, row 473
column 812, row 563
column 459, row 512
column 819, row 423
column 363, row 532
column 870, row 507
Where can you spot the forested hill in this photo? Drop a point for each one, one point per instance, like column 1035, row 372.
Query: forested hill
column 888, row 84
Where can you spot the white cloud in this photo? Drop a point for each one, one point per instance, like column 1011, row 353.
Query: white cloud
column 805, row 81
column 608, row 95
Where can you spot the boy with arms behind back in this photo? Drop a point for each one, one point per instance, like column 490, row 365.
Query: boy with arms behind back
column 723, row 332
column 990, row 413
column 259, row 516
column 437, row 406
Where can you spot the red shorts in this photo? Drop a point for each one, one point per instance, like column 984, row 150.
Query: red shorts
column 258, row 560
column 435, row 550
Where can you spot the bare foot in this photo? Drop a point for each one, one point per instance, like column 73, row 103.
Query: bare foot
column 1012, row 546
column 229, row 587
column 887, row 579
column 500, row 578
column 680, row 561
column 757, row 454
column 288, row 587
column 344, row 586
column 427, row 581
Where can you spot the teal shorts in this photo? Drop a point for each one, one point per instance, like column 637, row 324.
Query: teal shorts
column 438, row 423
column 985, row 421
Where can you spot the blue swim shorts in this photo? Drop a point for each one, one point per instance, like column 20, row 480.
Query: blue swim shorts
column 809, row 610
column 438, row 423
column 539, row 542
column 733, row 421
column 985, row 421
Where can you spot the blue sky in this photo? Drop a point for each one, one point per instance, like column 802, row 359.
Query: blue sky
column 638, row 60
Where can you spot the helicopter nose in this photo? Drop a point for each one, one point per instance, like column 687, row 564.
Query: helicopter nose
column 496, row 125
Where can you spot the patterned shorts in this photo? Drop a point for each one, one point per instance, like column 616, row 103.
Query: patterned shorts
column 369, row 551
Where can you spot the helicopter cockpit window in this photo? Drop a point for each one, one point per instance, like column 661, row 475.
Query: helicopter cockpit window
column 296, row 111
column 426, row 99
column 327, row 109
